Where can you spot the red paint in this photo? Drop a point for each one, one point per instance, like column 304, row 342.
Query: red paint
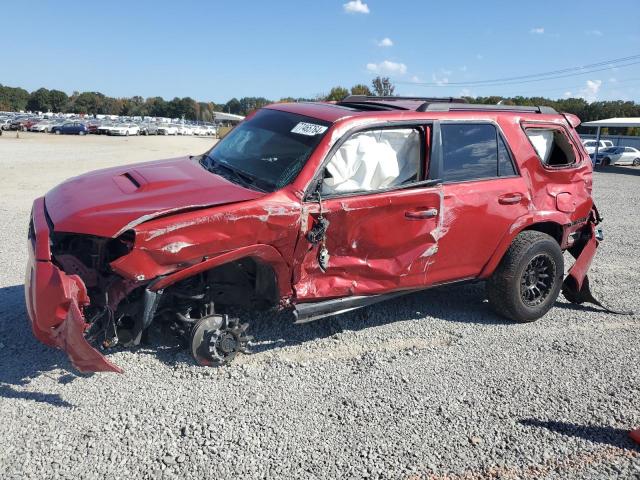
column 635, row 435
column 54, row 301
column 187, row 220
column 104, row 203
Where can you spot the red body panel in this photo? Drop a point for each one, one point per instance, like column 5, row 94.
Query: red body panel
column 107, row 202
column 187, row 220
column 54, row 300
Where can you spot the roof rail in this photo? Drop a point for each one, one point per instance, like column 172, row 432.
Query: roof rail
column 444, row 107
column 373, row 98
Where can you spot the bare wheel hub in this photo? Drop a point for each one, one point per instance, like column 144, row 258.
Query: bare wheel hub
column 217, row 339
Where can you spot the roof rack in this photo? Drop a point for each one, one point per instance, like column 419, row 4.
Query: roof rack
column 373, row 98
column 435, row 104
column 370, row 102
column 441, row 107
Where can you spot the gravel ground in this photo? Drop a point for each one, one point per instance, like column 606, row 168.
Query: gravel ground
column 432, row 385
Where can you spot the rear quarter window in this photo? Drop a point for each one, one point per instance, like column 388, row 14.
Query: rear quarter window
column 552, row 146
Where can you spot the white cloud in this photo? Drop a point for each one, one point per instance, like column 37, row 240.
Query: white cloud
column 387, row 67
column 479, row 56
column 537, row 30
column 439, row 79
column 356, row 6
column 590, row 90
column 568, row 94
column 595, row 33
column 385, row 42
column 415, row 79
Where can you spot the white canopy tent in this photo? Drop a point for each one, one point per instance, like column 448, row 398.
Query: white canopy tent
column 228, row 117
column 610, row 122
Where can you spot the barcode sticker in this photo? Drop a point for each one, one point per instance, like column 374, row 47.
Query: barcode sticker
column 309, row 129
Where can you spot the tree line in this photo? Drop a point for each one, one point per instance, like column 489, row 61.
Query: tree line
column 44, row 100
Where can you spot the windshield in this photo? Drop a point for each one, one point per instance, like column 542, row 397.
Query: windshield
column 268, row 150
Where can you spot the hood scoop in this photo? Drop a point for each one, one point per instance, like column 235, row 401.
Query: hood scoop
column 105, row 202
column 150, row 179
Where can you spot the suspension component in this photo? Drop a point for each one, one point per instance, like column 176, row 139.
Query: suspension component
column 217, row 339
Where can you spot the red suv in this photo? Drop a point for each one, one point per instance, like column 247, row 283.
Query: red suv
column 316, row 208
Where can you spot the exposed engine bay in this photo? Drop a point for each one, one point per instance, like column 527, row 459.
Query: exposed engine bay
column 121, row 310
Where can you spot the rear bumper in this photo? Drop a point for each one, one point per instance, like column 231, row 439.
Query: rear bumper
column 55, row 302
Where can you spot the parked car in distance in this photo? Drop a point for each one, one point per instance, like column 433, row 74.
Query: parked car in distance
column 22, row 123
column 184, row 130
column 70, row 128
column 40, row 126
column 167, row 129
column 148, row 129
column 315, row 209
column 124, row 129
column 590, row 145
column 54, row 123
column 618, row 156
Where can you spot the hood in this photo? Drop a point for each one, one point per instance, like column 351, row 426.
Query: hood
column 107, row 202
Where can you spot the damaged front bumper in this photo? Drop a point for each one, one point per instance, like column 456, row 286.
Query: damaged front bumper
column 55, row 301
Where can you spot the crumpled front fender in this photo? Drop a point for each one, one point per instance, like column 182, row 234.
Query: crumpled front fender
column 54, row 303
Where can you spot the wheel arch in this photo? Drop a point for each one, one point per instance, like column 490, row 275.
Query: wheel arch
column 264, row 255
column 551, row 224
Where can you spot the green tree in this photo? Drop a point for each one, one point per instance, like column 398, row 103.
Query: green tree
column 233, row 106
column 382, row 87
column 58, row 100
column 360, row 89
column 336, row 94
column 39, row 101
column 13, row 99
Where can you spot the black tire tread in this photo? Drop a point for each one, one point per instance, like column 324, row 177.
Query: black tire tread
column 500, row 285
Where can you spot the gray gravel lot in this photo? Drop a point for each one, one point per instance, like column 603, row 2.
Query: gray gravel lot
column 432, row 385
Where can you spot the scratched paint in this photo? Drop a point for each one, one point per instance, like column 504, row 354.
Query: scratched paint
column 185, row 220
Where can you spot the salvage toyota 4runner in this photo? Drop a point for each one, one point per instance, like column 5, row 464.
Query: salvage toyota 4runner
column 315, row 208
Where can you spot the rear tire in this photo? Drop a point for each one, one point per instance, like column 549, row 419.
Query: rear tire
column 636, row 162
column 528, row 279
column 606, row 161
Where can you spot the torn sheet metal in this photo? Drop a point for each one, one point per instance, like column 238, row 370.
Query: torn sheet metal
column 54, row 302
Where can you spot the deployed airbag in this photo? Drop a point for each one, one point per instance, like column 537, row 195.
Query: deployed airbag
column 373, row 160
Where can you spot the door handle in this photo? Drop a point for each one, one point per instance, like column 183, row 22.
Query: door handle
column 421, row 214
column 510, row 198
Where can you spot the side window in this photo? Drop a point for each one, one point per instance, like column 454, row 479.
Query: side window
column 473, row 152
column 589, row 144
column 552, row 146
column 374, row 160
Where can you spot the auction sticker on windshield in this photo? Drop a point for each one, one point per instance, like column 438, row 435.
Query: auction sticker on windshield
column 310, row 129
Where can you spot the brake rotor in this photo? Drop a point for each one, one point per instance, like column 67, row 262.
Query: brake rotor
column 217, row 339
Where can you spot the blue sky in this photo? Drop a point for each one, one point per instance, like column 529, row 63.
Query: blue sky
column 214, row 50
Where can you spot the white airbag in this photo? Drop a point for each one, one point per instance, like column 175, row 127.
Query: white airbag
column 374, row 160
column 542, row 141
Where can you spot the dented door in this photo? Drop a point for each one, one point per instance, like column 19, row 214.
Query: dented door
column 377, row 242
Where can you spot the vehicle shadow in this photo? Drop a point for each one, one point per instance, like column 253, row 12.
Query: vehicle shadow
column 620, row 170
column 462, row 303
column 616, row 437
column 23, row 358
